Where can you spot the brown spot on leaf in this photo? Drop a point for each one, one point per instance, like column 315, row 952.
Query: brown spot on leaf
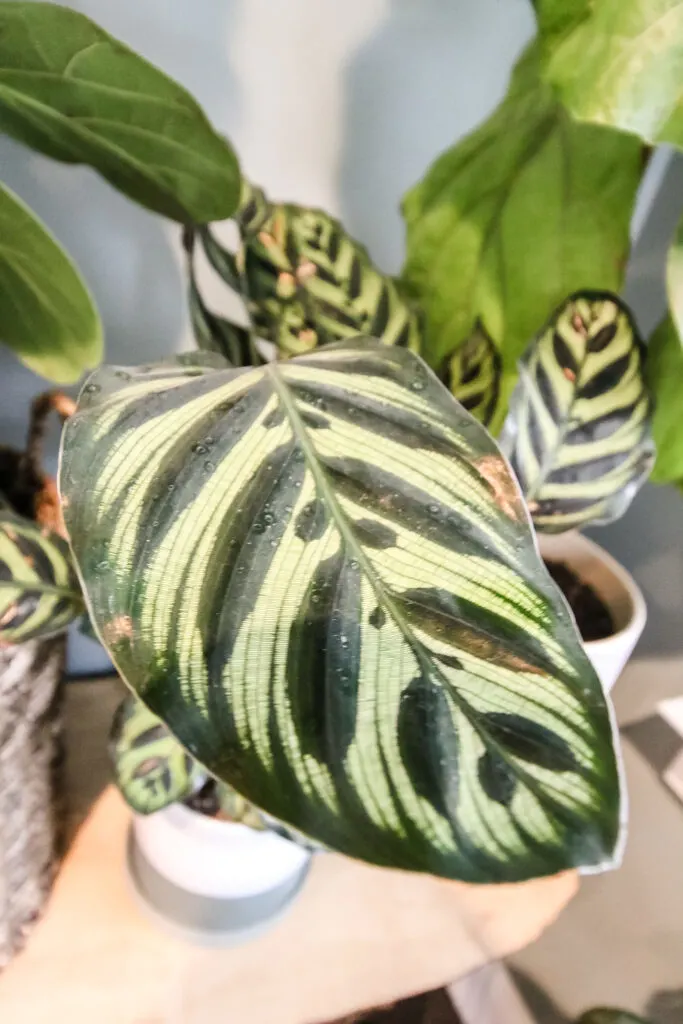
column 579, row 325
column 147, row 766
column 9, row 614
column 496, row 474
column 306, row 270
column 308, row 337
column 120, row 628
column 569, row 374
column 286, row 285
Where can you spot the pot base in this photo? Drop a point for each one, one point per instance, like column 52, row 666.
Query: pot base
column 206, row 920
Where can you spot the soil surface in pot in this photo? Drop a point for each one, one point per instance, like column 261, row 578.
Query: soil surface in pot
column 591, row 613
column 205, row 800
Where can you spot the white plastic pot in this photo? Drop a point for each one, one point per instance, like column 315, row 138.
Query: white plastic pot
column 617, row 589
column 217, row 881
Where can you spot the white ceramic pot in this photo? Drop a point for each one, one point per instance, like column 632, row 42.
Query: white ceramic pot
column 618, row 590
column 217, row 881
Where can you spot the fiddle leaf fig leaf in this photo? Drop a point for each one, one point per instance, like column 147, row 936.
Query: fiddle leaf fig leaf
column 321, row 575
column 526, row 210
column 617, row 63
column 674, row 279
column 472, row 375
column 39, row 592
column 578, row 431
column 665, row 378
column 47, row 315
column 151, row 768
column 74, row 93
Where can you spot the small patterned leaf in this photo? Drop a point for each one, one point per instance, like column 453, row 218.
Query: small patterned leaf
column 321, row 574
column 151, row 768
column 236, row 808
column 578, row 430
column 39, row 592
column 214, row 333
column 306, row 282
column 472, row 374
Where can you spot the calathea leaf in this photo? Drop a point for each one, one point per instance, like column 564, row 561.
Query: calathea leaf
column 472, row 374
column 71, row 91
column 321, row 575
column 151, row 768
column 578, row 431
column 665, row 378
column 212, row 332
column 47, row 315
column 524, row 211
column 306, row 282
column 39, row 592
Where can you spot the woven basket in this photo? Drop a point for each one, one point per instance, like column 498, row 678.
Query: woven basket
column 30, row 755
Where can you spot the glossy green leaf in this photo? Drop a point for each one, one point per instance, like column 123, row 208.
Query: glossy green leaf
column 306, row 282
column 528, row 209
column 674, row 280
column 472, row 375
column 321, row 575
column 618, row 63
column 47, row 315
column 606, row 1015
column 71, row 91
column 665, row 378
column 151, row 768
column 578, row 431
column 39, row 592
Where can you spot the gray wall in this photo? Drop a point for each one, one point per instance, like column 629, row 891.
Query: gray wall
column 341, row 105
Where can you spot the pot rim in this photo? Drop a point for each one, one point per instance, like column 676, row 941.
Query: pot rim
column 638, row 614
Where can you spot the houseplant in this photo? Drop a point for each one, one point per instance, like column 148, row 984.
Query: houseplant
column 305, row 283
column 48, row 318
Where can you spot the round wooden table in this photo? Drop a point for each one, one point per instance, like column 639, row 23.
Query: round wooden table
column 356, row 937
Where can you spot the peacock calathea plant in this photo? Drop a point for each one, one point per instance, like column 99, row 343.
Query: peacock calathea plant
column 309, row 562
column 321, row 576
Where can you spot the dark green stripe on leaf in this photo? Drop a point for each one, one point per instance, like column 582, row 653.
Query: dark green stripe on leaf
column 425, row 729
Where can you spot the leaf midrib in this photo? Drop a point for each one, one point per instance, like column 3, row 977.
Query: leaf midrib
column 427, row 666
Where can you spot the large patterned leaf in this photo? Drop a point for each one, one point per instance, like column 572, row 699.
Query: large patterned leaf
column 524, row 211
column 306, row 282
column 151, row 768
column 71, row 91
column 578, row 430
column 47, row 315
column 39, row 592
column 321, row 575
column 472, row 374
